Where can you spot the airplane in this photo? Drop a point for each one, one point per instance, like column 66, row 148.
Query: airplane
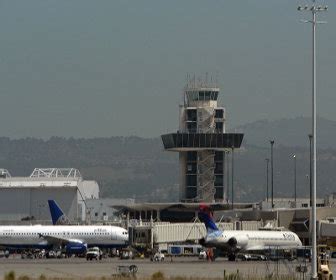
column 234, row 241
column 74, row 238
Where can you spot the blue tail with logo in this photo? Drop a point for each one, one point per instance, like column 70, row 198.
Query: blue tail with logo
column 57, row 215
column 206, row 217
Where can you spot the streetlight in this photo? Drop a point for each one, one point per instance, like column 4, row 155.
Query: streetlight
column 232, row 175
column 267, row 163
column 310, row 170
column 294, row 157
column 314, row 10
column 272, row 186
column 227, row 175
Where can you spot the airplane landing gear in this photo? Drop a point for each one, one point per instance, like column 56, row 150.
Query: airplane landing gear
column 232, row 257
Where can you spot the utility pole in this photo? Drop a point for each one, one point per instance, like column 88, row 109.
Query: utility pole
column 314, row 10
column 310, row 171
column 294, row 157
column 232, row 177
column 272, row 175
column 267, row 163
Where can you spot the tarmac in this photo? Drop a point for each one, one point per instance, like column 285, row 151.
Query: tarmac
column 178, row 266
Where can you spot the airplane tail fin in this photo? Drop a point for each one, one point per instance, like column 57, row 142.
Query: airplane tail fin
column 205, row 215
column 57, row 215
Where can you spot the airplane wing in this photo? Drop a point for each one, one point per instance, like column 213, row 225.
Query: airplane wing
column 256, row 248
column 264, row 248
column 55, row 240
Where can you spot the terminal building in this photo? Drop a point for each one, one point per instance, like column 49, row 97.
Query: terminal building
column 201, row 142
column 25, row 199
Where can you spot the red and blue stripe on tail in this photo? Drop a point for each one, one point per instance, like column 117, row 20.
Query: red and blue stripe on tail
column 206, row 216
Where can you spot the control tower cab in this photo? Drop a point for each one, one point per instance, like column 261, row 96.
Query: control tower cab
column 201, row 142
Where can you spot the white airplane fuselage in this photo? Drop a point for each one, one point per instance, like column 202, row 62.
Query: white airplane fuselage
column 40, row 236
column 252, row 240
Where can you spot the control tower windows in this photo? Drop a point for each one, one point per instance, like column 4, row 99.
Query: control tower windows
column 191, row 180
column 192, row 127
column 192, row 156
column 208, row 95
column 219, row 180
column 219, row 168
column 191, row 168
column 219, row 113
column 191, row 192
column 192, row 115
column 219, row 194
column 219, row 127
column 219, row 156
column 202, row 95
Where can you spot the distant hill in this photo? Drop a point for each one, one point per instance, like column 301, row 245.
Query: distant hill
column 140, row 168
column 289, row 132
column 123, row 166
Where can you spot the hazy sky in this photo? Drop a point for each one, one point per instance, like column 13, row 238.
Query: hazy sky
column 104, row 68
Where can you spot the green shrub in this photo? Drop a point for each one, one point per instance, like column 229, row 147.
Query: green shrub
column 158, row 276
column 10, row 275
column 24, row 277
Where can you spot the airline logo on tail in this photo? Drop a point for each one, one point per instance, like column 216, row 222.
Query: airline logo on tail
column 57, row 215
column 206, row 216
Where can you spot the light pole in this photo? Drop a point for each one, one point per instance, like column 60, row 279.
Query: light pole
column 310, row 170
column 314, row 10
column 232, row 176
column 227, row 175
column 272, row 186
column 294, row 157
column 267, row 163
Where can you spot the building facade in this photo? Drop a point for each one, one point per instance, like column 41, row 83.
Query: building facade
column 25, row 199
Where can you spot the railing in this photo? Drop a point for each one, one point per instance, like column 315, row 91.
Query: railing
column 206, row 177
column 206, row 121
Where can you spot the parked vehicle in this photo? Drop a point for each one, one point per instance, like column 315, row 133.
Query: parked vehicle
column 51, row 254
column 4, row 254
column 158, row 257
column 202, row 255
column 244, row 257
column 184, row 249
column 323, row 270
column 94, row 253
column 126, row 254
column 258, row 257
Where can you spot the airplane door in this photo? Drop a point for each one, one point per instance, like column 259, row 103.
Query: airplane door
column 113, row 235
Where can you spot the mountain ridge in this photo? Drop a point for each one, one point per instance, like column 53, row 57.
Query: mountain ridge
column 140, row 168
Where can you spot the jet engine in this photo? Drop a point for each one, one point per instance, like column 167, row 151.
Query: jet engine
column 238, row 242
column 75, row 248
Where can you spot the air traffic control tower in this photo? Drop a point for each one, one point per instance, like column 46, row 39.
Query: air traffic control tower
column 201, row 142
